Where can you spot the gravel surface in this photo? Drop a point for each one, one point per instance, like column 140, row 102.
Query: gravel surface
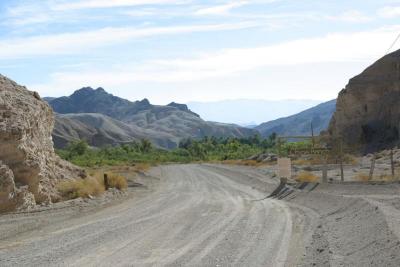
column 213, row 215
column 196, row 216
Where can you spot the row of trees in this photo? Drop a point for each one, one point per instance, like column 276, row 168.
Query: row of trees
column 207, row 148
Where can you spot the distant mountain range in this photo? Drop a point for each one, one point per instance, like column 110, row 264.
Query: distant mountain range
column 101, row 119
column 249, row 112
column 300, row 123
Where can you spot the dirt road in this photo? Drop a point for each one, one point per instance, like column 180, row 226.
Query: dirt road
column 207, row 215
column 197, row 216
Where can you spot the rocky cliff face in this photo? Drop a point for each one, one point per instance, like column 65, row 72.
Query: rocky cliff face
column 367, row 113
column 28, row 164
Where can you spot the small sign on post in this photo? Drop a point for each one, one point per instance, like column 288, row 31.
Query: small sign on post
column 284, row 168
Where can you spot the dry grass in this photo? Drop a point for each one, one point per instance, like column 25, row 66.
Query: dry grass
column 307, row 177
column 362, row 177
column 80, row 188
column 117, row 181
column 141, row 167
column 320, row 159
column 384, row 178
column 93, row 185
column 252, row 163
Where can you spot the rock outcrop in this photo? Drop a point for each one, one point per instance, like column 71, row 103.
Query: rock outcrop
column 28, row 162
column 367, row 115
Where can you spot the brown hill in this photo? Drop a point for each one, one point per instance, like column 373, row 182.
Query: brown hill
column 367, row 113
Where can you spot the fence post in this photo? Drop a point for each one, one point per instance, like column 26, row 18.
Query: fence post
column 371, row 171
column 106, row 185
column 341, row 161
column 325, row 170
column 392, row 162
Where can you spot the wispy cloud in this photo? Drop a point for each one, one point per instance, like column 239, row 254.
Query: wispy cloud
column 333, row 48
column 354, row 16
column 78, row 42
column 220, row 9
column 85, row 4
column 389, row 12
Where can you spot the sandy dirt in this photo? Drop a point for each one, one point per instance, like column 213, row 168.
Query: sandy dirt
column 213, row 215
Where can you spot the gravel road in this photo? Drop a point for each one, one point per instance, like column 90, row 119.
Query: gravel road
column 214, row 215
column 197, row 216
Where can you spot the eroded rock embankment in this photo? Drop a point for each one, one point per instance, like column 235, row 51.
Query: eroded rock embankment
column 367, row 116
column 29, row 167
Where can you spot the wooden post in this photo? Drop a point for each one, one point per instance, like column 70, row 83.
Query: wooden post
column 392, row 163
column 106, row 185
column 325, row 170
column 371, row 171
column 341, row 161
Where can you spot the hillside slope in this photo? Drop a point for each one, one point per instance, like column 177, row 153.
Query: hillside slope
column 300, row 124
column 102, row 119
column 367, row 116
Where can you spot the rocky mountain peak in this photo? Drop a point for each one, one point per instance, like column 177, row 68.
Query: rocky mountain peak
column 182, row 107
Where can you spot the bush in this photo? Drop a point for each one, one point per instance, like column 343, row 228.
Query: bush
column 362, row 177
column 84, row 188
column 117, row 181
column 91, row 186
column 306, row 177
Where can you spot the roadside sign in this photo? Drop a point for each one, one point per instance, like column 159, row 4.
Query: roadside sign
column 284, row 167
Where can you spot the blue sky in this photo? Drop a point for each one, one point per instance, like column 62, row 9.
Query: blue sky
column 192, row 50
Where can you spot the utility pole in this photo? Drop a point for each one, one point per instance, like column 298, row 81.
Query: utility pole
column 312, row 135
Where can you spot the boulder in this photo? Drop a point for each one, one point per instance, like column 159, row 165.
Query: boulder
column 26, row 147
column 367, row 115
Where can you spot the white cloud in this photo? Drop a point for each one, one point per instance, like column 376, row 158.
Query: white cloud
column 84, row 4
column 220, row 9
column 389, row 12
column 335, row 48
column 351, row 16
column 72, row 43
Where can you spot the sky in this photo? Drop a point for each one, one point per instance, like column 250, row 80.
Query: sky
column 190, row 50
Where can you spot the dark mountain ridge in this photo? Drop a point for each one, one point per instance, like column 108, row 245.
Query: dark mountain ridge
column 122, row 121
column 300, row 124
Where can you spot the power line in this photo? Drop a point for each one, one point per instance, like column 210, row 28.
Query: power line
column 395, row 41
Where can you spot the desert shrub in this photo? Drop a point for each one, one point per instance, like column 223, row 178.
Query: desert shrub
column 72, row 189
column 386, row 178
column 117, row 181
column 252, row 163
column 362, row 177
column 307, row 177
column 365, row 178
column 142, row 167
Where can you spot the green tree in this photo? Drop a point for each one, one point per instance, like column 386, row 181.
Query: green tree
column 79, row 147
column 146, row 146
